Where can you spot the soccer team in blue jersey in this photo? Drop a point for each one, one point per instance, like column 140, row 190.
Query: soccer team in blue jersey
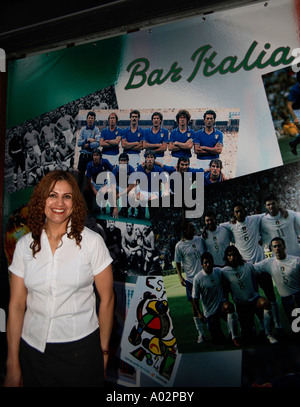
column 101, row 150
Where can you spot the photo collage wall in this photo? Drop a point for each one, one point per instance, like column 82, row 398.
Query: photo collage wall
column 232, row 84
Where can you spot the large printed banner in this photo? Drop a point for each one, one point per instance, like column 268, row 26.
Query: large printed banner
column 220, row 95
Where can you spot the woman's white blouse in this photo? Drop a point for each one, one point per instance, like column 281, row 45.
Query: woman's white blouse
column 61, row 303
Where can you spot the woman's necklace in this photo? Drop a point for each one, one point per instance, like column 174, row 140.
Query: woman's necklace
column 54, row 237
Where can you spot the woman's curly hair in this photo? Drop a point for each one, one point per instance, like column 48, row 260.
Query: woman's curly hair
column 36, row 205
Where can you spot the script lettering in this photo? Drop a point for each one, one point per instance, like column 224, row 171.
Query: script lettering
column 206, row 58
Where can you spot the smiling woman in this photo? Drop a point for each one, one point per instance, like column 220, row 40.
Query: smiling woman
column 58, row 209
column 55, row 204
column 53, row 329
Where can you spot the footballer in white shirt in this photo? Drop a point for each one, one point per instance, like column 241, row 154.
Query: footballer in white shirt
column 216, row 237
column 187, row 257
column 240, row 276
column 281, row 223
column 246, row 233
column 208, row 288
column 285, row 271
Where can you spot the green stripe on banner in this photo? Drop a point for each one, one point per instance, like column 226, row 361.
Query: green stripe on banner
column 41, row 83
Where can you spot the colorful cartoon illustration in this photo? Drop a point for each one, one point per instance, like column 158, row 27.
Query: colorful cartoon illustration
column 151, row 332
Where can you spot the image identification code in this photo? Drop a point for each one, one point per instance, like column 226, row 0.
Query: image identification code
column 152, row 397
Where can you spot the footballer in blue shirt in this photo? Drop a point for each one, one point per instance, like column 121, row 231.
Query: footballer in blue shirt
column 156, row 137
column 208, row 142
column 181, row 139
column 111, row 137
column 132, row 139
column 94, row 168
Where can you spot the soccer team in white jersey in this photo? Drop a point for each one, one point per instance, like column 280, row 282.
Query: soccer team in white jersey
column 228, row 276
